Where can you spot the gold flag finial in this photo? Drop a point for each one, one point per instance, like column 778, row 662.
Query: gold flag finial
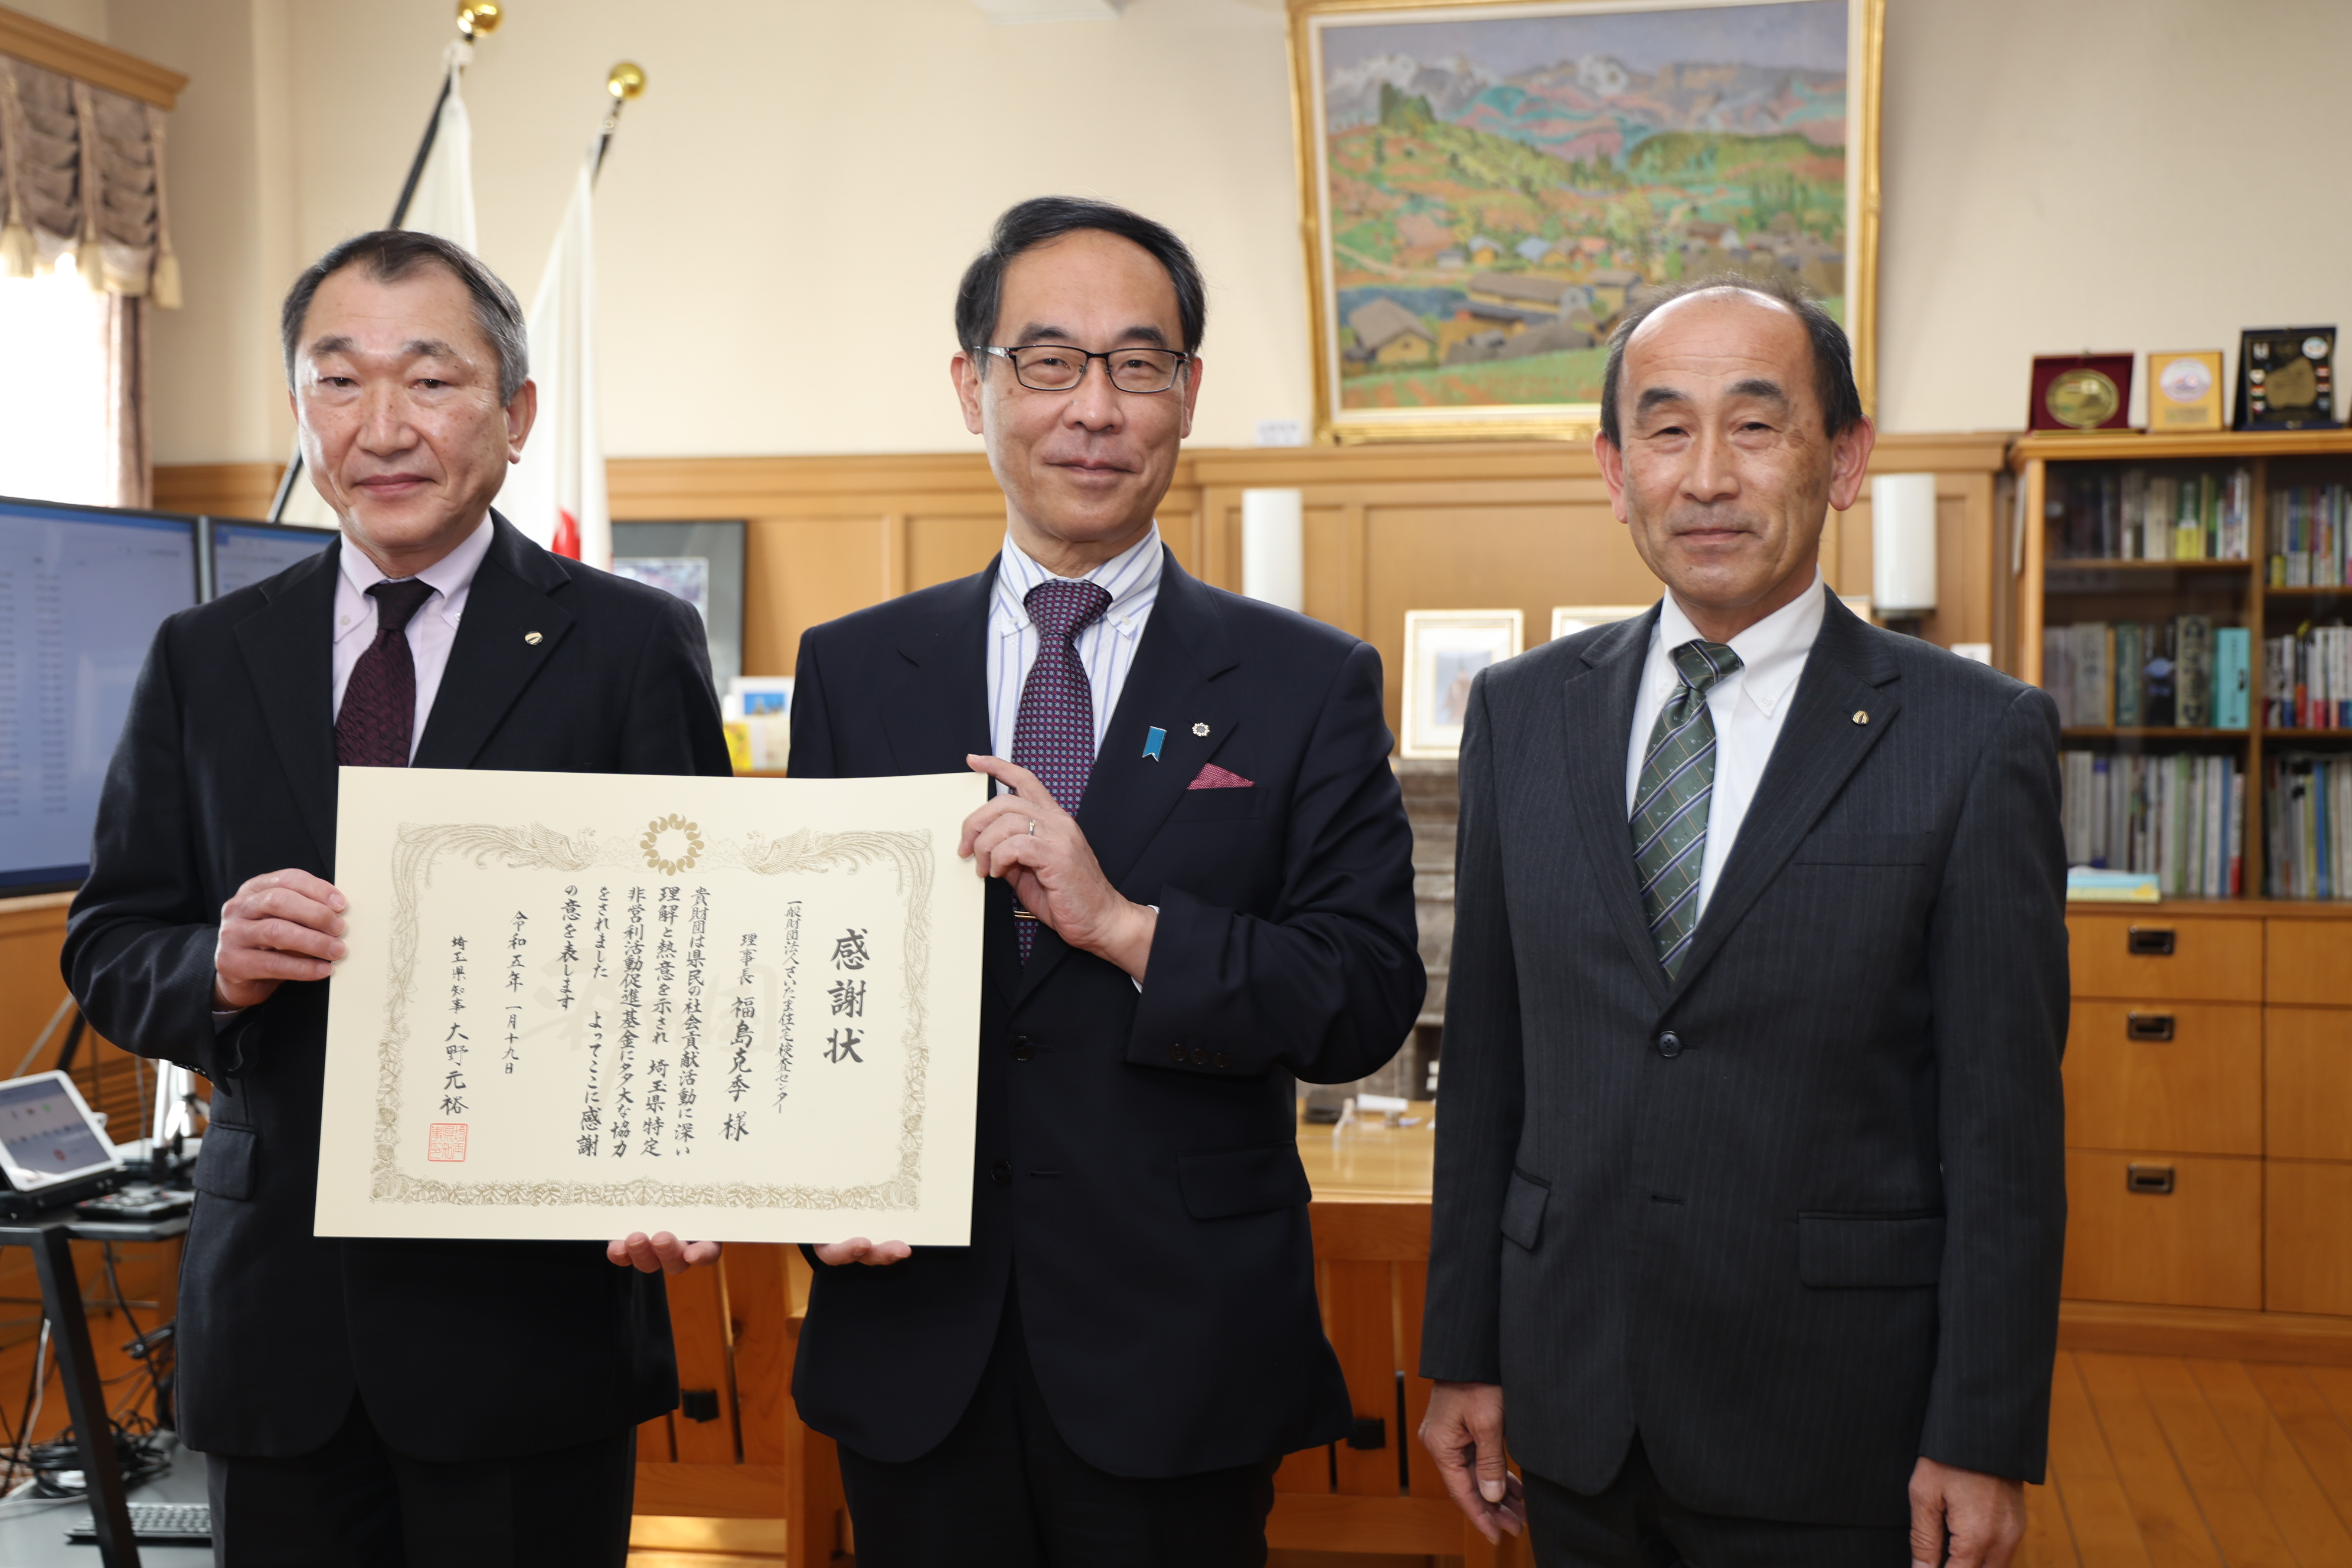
column 476, row 18
column 625, row 80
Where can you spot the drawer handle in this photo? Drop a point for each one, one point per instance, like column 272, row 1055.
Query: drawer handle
column 2148, row 1026
column 2155, row 1180
column 2149, row 942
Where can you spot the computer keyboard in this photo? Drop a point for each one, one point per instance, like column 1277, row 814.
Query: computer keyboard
column 159, row 1524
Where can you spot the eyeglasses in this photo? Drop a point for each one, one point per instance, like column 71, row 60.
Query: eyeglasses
column 1058, row 367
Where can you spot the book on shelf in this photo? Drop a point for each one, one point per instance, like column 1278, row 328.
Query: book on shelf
column 2310, row 537
column 2232, row 677
column 2306, row 845
column 2086, row 886
column 2137, row 515
column 2307, row 679
column 2178, row 818
column 2148, row 674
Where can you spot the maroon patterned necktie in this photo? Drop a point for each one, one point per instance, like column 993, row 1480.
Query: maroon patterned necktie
column 379, row 714
column 1054, row 735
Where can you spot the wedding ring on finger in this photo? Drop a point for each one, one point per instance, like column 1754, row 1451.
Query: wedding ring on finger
column 1033, row 827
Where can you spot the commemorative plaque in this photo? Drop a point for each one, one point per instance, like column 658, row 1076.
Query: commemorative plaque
column 2184, row 390
column 2081, row 392
column 2286, row 378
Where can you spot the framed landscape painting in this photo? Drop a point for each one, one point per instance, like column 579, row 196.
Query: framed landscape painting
column 1487, row 186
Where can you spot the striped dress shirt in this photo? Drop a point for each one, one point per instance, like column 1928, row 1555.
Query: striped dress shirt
column 1106, row 649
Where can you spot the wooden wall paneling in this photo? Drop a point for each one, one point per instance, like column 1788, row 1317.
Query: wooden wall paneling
column 2307, row 1242
column 218, row 489
column 758, row 1318
column 2199, row 1246
column 698, row 1326
column 31, row 932
column 2200, row 1092
column 1364, row 1330
column 654, row 1446
column 2309, row 961
column 1459, row 526
column 1412, row 1293
column 2307, row 1082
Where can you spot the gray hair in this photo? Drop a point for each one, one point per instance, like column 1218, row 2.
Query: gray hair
column 392, row 254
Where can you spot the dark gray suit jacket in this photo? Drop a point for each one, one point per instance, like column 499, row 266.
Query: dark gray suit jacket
column 1797, row 1217
column 463, row 1349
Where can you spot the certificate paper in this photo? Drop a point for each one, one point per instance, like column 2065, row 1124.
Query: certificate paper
column 579, row 1005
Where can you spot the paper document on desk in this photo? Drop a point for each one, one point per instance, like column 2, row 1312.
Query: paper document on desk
column 580, row 1004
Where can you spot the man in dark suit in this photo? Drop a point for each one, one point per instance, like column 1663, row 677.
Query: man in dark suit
column 378, row 1402
column 1204, row 892
column 1750, row 1196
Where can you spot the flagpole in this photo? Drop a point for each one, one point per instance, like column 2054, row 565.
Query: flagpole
column 625, row 81
column 474, row 18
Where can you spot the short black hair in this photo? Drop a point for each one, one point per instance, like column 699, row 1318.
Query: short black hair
column 1834, row 383
column 1027, row 224
column 392, row 254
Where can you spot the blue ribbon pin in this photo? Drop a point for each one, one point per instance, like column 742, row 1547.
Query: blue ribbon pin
column 1151, row 743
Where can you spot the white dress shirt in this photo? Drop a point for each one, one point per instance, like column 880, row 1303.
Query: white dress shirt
column 1106, row 649
column 431, row 631
column 1747, row 707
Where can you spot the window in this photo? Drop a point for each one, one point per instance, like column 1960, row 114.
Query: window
column 58, row 434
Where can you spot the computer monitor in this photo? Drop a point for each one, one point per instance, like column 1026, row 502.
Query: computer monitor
column 243, row 553
column 82, row 590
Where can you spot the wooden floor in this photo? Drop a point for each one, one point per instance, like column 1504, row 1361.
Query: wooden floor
column 2154, row 1462
column 2166, row 1462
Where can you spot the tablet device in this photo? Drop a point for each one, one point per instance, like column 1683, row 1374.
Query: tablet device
column 47, row 1134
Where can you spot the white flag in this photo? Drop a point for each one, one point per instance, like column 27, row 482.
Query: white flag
column 442, row 204
column 556, row 494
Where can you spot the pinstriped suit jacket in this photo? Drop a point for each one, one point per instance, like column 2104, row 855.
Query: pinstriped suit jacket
column 1821, row 1237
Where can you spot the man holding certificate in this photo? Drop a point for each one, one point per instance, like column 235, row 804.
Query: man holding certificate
column 1203, row 892
column 378, row 1402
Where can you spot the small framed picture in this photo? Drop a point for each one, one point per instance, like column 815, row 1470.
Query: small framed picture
column 1566, row 618
column 758, row 696
column 1443, row 652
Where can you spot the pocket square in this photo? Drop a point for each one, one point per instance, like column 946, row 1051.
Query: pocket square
column 1211, row 776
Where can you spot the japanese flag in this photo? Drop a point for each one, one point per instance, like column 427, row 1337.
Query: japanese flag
column 556, row 494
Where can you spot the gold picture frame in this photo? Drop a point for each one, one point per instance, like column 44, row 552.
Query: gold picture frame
column 1414, row 340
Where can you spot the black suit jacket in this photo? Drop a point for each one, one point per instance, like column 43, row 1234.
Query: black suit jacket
column 226, row 769
column 1137, row 1161
column 1820, row 1239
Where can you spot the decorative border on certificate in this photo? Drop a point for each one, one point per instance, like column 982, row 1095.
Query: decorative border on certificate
column 540, row 848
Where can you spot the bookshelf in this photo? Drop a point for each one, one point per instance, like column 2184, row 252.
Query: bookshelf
column 2080, row 563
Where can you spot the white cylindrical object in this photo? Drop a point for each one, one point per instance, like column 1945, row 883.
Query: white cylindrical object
column 1273, row 547
column 1903, row 543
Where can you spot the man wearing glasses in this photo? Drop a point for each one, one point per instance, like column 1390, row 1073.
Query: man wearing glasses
column 1202, row 892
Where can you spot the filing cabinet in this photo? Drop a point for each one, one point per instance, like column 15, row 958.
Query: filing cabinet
column 2208, row 1106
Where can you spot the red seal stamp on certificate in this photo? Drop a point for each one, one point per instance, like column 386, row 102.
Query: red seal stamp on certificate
column 446, row 1140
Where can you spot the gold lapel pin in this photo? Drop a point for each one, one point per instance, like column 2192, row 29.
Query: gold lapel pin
column 1200, row 729
column 1860, row 717
column 532, row 639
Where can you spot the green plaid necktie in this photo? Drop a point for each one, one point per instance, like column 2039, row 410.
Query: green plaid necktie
column 1670, row 801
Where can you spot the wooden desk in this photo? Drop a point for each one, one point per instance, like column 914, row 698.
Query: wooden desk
column 737, row 1326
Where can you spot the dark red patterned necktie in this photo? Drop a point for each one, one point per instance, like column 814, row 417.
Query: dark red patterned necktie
column 1054, row 735
column 379, row 716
